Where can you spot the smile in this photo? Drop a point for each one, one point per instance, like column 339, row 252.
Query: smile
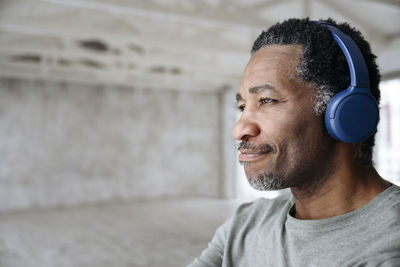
column 252, row 156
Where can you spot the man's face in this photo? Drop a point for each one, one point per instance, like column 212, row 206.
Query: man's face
column 284, row 143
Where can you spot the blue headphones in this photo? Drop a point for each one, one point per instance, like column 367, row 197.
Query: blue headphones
column 352, row 114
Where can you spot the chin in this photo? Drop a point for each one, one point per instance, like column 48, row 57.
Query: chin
column 266, row 181
column 254, row 169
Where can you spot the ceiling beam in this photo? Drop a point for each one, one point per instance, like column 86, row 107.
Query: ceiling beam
column 393, row 3
column 213, row 21
column 151, row 43
column 269, row 4
column 198, row 82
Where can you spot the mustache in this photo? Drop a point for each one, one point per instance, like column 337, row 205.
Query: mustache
column 259, row 148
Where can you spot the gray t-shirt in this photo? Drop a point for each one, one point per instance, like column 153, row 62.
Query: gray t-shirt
column 263, row 233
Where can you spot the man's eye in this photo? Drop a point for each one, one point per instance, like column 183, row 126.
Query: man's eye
column 266, row 101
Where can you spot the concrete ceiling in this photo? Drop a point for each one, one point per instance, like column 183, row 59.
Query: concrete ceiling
column 166, row 44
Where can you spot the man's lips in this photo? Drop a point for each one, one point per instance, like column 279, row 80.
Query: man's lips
column 250, row 152
column 247, row 156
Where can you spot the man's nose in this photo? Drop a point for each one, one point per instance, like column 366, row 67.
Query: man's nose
column 246, row 127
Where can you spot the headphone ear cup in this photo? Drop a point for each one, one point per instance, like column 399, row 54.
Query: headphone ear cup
column 352, row 115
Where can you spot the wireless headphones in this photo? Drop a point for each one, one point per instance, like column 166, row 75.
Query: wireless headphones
column 352, row 114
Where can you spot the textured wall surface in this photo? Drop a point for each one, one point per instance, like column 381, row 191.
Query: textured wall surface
column 64, row 144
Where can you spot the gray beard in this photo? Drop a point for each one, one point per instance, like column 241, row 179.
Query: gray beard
column 267, row 182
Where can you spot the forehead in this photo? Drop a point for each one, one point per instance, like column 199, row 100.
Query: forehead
column 274, row 65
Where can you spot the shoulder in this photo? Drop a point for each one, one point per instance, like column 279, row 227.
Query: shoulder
column 393, row 195
column 262, row 210
column 384, row 242
column 389, row 205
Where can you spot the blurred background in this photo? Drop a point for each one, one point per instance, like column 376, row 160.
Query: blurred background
column 116, row 119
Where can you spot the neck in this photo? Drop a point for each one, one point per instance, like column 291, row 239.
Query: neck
column 347, row 188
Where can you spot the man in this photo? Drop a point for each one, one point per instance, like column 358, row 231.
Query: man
column 340, row 212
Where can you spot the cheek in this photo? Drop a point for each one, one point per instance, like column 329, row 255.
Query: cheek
column 307, row 141
column 291, row 124
column 299, row 134
column 303, row 123
column 290, row 127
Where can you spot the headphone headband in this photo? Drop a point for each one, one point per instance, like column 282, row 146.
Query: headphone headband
column 355, row 60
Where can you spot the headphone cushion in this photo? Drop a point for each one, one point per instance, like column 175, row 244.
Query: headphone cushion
column 352, row 117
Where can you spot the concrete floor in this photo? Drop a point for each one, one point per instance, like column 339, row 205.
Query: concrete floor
column 155, row 233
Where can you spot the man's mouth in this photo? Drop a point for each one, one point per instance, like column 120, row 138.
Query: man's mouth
column 246, row 156
column 249, row 152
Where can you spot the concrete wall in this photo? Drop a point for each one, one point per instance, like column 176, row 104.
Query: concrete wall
column 65, row 144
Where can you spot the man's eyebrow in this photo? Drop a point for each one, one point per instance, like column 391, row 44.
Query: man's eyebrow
column 261, row 88
column 257, row 89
